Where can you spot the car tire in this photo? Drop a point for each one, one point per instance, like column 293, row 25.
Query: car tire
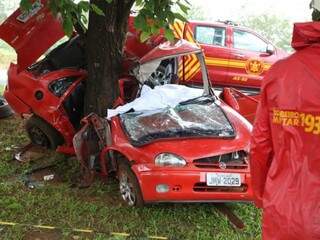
column 128, row 185
column 43, row 134
column 5, row 109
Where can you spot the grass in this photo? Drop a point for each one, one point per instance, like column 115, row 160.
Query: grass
column 1, row 89
column 98, row 207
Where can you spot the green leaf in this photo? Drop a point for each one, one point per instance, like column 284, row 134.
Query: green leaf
column 154, row 30
column 140, row 23
column 84, row 19
column 60, row 4
column 53, row 8
column 109, row 1
column 96, row 9
column 139, row 3
column 68, row 25
column 144, row 36
column 25, row 5
column 184, row 8
column 180, row 17
column 168, row 34
column 171, row 17
column 84, row 5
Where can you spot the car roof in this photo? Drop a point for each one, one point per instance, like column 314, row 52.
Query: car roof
column 169, row 50
column 221, row 24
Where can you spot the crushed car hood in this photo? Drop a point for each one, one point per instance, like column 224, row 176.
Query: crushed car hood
column 31, row 33
column 305, row 34
column 196, row 118
column 189, row 147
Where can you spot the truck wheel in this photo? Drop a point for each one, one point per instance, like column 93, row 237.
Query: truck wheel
column 43, row 134
column 5, row 109
column 129, row 186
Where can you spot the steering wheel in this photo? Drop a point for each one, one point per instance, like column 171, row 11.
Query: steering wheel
column 162, row 76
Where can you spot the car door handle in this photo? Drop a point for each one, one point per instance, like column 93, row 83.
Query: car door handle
column 240, row 56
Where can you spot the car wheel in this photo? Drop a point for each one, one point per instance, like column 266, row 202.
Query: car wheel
column 129, row 186
column 5, row 109
column 161, row 76
column 43, row 134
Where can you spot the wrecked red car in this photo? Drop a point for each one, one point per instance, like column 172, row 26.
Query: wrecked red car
column 192, row 148
column 49, row 92
column 175, row 141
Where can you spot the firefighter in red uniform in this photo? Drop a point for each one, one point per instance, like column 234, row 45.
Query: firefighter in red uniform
column 285, row 147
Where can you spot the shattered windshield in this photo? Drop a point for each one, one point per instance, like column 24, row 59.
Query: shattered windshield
column 199, row 117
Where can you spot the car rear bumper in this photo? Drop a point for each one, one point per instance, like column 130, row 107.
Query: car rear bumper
column 189, row 185
column 15, row 103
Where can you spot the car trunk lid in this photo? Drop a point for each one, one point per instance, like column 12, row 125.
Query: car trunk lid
column 31, row 33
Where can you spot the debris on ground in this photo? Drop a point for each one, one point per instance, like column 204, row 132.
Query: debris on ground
column 29, row 152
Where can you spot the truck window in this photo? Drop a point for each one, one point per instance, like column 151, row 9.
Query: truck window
column 211, row 35
column 248, row 41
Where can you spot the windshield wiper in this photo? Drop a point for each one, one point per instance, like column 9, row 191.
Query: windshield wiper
column 199, row 100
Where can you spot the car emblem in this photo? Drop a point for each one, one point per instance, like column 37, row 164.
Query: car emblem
column 222, row 165
column 254, row 66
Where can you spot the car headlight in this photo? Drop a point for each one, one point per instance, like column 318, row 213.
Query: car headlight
column 169, row 160
column 60, row 86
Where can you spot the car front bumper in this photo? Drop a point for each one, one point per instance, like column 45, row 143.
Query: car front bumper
column 188, row 184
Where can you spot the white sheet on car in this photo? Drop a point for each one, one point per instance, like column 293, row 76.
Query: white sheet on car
column 168, row 95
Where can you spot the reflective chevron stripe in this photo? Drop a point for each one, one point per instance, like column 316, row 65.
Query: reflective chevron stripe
column 191, row 63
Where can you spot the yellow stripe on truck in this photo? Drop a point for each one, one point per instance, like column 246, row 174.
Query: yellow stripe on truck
column 217, row 62
column 266, row 67
column 222, row 62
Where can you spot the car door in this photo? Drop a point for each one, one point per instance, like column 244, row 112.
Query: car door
column 213, row 40
column 251, row 56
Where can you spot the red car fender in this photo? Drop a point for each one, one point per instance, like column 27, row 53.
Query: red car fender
column 230, row 99
column 61, row 122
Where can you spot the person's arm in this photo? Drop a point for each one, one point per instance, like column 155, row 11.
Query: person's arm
column 261, row 150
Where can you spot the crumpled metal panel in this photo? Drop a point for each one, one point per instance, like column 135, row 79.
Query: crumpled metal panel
column 195, row 118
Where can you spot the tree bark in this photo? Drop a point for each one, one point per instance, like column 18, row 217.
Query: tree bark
column 105, row 41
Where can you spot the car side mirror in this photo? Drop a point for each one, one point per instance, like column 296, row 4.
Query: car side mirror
column 270, row 49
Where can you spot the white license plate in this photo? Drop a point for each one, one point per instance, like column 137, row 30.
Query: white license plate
column 224, row 179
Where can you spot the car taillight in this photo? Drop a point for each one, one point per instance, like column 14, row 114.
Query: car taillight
column 60, row 86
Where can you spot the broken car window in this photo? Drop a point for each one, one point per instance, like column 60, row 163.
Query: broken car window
column 199, row 118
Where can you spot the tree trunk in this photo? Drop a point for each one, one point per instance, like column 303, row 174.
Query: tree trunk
column 105, row 42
